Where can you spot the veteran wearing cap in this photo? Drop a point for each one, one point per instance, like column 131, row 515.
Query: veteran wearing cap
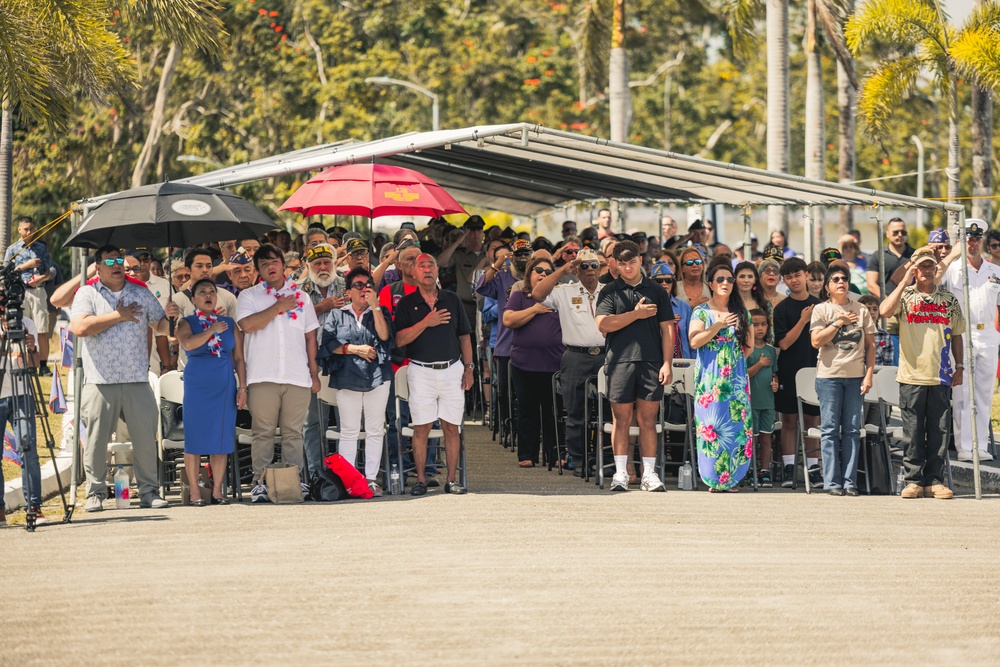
column 984, row 297
column 241, row 273
column 326, row 289
column 584, row 355
column 463, row 256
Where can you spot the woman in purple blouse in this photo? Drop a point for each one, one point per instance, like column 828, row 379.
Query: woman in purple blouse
column 535, row 356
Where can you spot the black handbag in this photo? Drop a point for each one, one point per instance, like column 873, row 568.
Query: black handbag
column 326, row 487
column 171, row 420
column 676, row 409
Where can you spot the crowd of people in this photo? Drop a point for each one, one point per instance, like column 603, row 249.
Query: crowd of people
column 261, row 324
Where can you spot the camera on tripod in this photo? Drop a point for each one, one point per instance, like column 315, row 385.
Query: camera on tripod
column 12, row 300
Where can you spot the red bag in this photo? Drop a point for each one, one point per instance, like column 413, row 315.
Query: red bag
column 354, row 481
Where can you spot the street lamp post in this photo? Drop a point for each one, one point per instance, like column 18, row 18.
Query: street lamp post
column 435, row 111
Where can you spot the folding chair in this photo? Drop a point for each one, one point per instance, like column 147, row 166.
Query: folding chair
column 169, row 386
column 683, row 386
column 559, row 416
column 406, row 433
column 633, row 430
column 888, row 393
column 328, row 395
column 592, row 431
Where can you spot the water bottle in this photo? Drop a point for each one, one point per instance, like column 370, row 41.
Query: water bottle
column 122, row 497
column 900, row 481
column 685, row 479
column 395, row 485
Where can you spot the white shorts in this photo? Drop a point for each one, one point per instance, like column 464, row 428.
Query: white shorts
column 436, row 394
column 36, row 307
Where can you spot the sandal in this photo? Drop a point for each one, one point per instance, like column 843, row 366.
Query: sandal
column 526, row 464
column 419, row 489
column 198, row 503
column 221, row 500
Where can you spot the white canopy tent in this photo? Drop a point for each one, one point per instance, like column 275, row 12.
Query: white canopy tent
column 527, row 169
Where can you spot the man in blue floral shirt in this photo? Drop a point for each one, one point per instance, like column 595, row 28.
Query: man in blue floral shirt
column 111, row 317
column 33, row 262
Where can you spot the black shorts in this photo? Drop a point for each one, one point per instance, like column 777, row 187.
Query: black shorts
column 633, row 380
column 786, row 399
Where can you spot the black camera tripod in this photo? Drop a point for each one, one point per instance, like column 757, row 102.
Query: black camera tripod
column 26, row 392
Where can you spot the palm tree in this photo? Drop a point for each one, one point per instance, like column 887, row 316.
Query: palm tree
column 922, row 39
column 621, row 102
column 982, row 148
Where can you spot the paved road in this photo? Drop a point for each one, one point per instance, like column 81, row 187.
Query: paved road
column 528, row 569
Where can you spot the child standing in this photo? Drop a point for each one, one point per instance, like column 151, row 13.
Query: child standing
column 761, row 366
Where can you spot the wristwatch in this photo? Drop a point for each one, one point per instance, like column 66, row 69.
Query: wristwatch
column 470, row 366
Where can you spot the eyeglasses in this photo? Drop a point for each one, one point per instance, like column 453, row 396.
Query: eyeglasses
column 359, row 285
column 133, row 269
column 769, row 272
column 117, row 260
column 539, row 271
column 899, row 232
column 693, row 262
column 182, row 276
column 724, row 279
column 838, row 279
column 665, row 281
column 589, row 265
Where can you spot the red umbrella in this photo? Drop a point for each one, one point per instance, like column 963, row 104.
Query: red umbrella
column 371, row 190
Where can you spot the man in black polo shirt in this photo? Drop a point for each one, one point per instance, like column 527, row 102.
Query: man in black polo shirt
column 431, row 323
column 634, row 314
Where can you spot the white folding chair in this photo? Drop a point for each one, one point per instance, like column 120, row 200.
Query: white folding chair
column 406, row 433
column 633, row 430
column 888, row 393
column 683, row 386
column 169, row 386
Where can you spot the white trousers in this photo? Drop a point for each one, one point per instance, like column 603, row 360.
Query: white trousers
column 985, row 354
column 351, row 405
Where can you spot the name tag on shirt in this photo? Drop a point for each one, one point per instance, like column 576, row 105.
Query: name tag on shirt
column 577, row 300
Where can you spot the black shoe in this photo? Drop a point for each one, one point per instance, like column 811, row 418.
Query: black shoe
column 836, row 492
column 851, row 491
column 815, row 476
column 418, row 489
column 432, row 482
column 45, row 372
column 454, row 487
column 764, row 479
column 577, row 472
column 788, row 477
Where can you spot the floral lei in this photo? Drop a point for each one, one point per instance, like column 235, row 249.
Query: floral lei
column 207, row 320
column 288, row 287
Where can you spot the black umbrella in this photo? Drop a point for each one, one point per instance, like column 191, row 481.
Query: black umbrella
column 170, row 214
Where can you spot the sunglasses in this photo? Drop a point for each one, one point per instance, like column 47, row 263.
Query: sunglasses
column 693, row 262
column 993, row 246
column 182, row 276
column 665, row 281
column 570, row 251
column 539, row 271
column 359, row 285
column 589, row 265
column 899, row 232
column 769, row 272
column 522, row 254
column 133, row 269
column 117, row 260
column 724, row 279
column 838, row 279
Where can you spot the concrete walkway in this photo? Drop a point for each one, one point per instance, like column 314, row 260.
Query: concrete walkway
column 529, row 568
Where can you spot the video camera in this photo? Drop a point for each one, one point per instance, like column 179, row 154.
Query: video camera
column 12, row 300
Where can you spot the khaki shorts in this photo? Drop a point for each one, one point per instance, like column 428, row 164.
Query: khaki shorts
column 36, row 308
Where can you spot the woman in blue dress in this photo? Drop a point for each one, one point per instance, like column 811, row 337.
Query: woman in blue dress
column 212, row 391
column 720, row 337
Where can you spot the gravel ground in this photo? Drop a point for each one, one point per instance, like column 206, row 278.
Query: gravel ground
column 529, row 568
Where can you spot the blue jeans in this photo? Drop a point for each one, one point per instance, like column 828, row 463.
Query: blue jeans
column 840, row 406
column 21, row 418
column 895, row 350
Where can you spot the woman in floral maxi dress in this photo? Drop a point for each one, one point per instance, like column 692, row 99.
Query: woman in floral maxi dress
column 719, row 334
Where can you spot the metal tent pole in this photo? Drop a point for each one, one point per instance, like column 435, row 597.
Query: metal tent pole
column 78, row 378
column 970, row 359
column 747, row 256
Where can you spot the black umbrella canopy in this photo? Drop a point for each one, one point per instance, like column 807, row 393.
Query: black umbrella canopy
column 170, row 214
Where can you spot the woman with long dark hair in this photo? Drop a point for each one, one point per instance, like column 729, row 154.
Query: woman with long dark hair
column 844, row 333
column 751, row 290
column 720, row 337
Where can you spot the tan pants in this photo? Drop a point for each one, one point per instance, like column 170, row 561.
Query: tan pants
column 274, row 406
column 101, row 407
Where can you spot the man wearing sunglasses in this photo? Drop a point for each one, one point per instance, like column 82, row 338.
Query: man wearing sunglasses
column 634, row 314
column 112, row 317
column 894, row 257
column 984, row 297
column 584, row 355
column 566, row 253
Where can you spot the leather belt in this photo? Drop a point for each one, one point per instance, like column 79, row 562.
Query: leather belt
column 437, row 365
column 593, row 350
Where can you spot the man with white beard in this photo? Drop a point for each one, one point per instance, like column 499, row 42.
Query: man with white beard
column 325, row 288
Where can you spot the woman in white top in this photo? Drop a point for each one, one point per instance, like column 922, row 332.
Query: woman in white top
column 692, row 290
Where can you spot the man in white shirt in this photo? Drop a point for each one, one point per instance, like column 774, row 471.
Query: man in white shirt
column 984, row 297
column 584, row 343
column 280, row 326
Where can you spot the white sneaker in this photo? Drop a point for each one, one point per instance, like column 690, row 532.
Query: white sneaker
column 985, row 456
column 305, row 490
column 651, row 483
column 965, row 456
column 259, row 494
column 619, row 482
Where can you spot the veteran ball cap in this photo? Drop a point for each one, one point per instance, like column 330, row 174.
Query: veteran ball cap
column 587, row 255
column 356, row 245
column 925, row 254
column 975, row 228
column 241, row 256
column 323, row 250
column 521, row 245
column 660, row 269
column 938, row 235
